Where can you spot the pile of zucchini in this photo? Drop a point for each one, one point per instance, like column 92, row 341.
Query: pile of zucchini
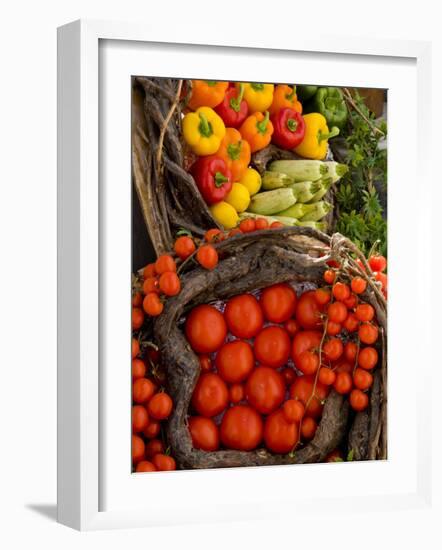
column 294, row 192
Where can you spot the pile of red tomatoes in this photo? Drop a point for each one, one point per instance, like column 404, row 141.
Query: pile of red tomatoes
column 269, row 361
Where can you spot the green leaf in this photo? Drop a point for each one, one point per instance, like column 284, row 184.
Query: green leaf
column 350, row 455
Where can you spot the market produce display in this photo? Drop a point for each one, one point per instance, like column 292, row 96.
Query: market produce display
column 258, row 332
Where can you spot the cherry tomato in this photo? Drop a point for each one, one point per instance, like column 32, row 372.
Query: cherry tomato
column 351, row 323
column 261, row 223
column 368, row 333
column 341, row 291
column 135, row 348
column 152, row 304
column 305, row 345
column 145, row 466
column 383, row 279
column 343, row 366
column 329, row 276
column 248, row 225
column 138, row 449
column 137, row 299
column 364, row 312
column 152, row 429
column 241, row 428
column 272, row 346
column 140, row 418
column 362, row 379
column 368, row 358
column 337, row 312
column 211, row 395
column 322, row 296
column 343, row 382
column 334, row 456
column 142, row 390
column 308, row 311
column 204, row 433
column 205, row 363
column 350, row 351
column 280, row 435
column 333, row 349
column 154, row 447
column 333, row 329
column 289, row 375
column 291, row 327
column 184, row 247
column 235, row 361
column 308, row 427
column 302, row 389
column 326, row 376
column 276, row 225
column 207, row 256
column 205, row 329
column 358, row 285
column 149, row 271
column 278, row 302
column 244, row 316
column 151, row 284
column 214, row 235
column 358, row 400
column 160, row 406
column 377, row 262
column 138, row 368
column 137, row 318
column 170, row 283
column 265, row 389
column 164, row 263
column 236, row 393
column 333, row 263
column 235, row 231
column 164, row 463
column 307, row 362
column 293, row 410
column 351, row 302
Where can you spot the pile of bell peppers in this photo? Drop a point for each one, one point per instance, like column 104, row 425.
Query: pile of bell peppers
column 224, row 123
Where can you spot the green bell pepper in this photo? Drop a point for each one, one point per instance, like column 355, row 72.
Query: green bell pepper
column 330, row 103
column 305, row 92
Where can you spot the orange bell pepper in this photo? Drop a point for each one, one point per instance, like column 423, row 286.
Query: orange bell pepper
column 285, row 97
column 257, row 129
column 235, row 151
column 207, row 93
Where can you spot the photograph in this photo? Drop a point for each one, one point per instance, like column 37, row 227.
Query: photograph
column 259, row 274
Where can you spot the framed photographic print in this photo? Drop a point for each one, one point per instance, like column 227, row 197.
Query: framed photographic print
column 233, row 223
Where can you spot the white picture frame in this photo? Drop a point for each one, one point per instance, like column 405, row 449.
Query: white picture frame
column 85, row 64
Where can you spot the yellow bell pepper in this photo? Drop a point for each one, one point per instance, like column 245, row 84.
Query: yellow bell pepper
column 317, row 134
column 203, row 131
column 258, row 96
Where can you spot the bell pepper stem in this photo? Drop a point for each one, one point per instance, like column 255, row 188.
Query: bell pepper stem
column 292, row 125
column 262, row 126
column 220, row 179
column 333, row 133
column 234, row 150
column 211, row 83
column 257, row 86
column 205, row 128
column 235, row 102
column 292, row 95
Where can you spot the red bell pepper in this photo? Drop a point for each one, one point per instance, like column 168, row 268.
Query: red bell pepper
column 233, row 108
column 212, row 177
column 289, row 128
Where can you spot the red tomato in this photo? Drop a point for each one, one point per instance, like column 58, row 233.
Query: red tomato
column 308, row 311
column 308, row 362
column 154, row 447
column 381, row 278
column 351, row 302
column 149, row 271
column 377, row 262
column 140, row 418
column 358, row 400
column 211, row 395
column 145, row 466
column 278, row 302
column 244, row 316
column 368, row 333
column 204, row 432
column 333, row 328
column 302, row 389
column 272, row 346
column 276, row 225
column 138, row 449
column 350, row 351
column 368, row 358
column 164, row 263
column 184, row 247
column 280, row 435
column 293, row 410
column 235, row 361
column 326, row 376
column 164, row 463
column 138, row 368
column 170, row 283
column 151, row 284
column 248, row 225
column 205, row 329
column 358, row 285
column 334, row 456
column 322, row 296
column 303, row 342
column 137, row 318
column 343, row 382
column 265, row 389
column 241, row 428
column 362, row 379
column 333, row 349
column 337, row 312
column 137, row 299
column 152, row 304
column 152, row 429
column 142, row 390
column 214, row 236
column 341, row 291
column 329, row 276
column 351, row 323
column 291, row 327
column 364, row 312
column 207, row 256
column 261, row 223
column 308, row 427
column 160, row 406
column 135, row 347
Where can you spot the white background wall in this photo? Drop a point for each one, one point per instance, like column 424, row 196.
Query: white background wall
column 28, row 265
